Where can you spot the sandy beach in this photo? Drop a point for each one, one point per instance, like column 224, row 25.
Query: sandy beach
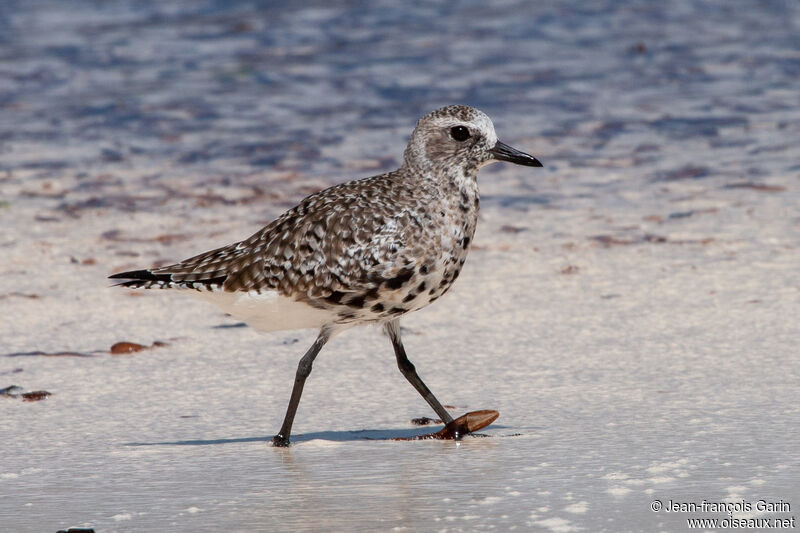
column 631, row 309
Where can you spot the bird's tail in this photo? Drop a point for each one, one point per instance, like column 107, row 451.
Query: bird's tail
column 170, row 278
column 143, row 279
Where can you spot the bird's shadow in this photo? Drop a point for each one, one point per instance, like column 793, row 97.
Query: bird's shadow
column 334, row 436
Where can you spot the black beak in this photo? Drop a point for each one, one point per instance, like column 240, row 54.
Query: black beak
column 503, row 152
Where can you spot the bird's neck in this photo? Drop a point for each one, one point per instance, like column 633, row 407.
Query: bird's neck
column 455, row 186
column 457, row 178
column 458, row 191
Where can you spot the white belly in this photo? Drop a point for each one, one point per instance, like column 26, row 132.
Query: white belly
column 268, row 310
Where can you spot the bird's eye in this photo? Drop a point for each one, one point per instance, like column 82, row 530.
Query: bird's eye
column 459, row 133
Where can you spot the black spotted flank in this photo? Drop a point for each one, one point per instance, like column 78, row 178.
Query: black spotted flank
column 400, row 279
column 356, row 301
column 341, row 298
column 335, row 297
column 377, row 308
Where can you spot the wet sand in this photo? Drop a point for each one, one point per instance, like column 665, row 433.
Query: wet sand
column 630, row 310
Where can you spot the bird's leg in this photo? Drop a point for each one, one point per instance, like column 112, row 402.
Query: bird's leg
column 303, row 370
column 410, row 373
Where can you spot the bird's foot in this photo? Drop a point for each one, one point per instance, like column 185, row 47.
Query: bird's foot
column 279, row 441
column 455, row 430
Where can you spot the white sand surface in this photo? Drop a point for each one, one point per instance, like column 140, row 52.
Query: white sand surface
column 632, row 310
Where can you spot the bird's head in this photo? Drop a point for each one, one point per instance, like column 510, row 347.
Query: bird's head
column 459, row 137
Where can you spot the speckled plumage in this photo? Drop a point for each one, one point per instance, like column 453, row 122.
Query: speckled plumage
column 364, row 251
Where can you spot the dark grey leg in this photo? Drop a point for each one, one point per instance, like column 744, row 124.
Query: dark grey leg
column 408, row 370
column 303, row 370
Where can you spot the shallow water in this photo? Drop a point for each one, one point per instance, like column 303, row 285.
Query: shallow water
column 630, row 309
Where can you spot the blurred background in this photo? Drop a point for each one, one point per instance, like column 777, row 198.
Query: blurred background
column 630, row 309
column 110, row 101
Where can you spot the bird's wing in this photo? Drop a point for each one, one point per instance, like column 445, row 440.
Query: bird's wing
column 334, row 247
